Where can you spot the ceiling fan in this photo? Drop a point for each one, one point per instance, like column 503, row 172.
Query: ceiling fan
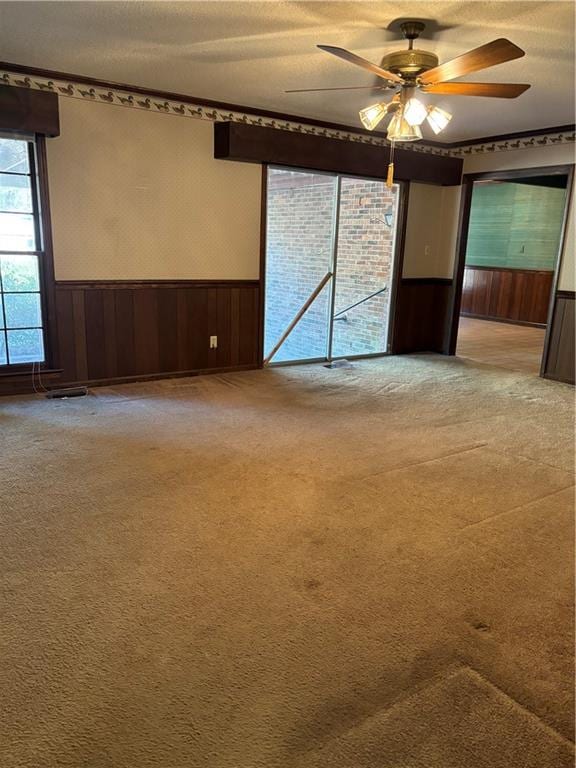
column 412, row 70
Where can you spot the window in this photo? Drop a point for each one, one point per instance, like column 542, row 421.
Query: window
column 21, row 326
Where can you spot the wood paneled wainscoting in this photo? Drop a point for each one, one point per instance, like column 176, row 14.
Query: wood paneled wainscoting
column 513, row 295
column 422, row 315
column 125, row 330
column 114, row 331
column 559, row 362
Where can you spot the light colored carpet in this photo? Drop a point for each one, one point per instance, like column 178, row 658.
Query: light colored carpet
column 505, row 345
column 290, row 568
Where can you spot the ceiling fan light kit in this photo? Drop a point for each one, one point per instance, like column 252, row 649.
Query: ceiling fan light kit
column 372, row 115
column 375, row 113
column 415, row 112
column 401, row 130
column 438, row 118
column 412, row 70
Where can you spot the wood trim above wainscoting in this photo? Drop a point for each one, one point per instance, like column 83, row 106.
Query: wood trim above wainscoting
column 104, row 285
column 427, row 280
column 506, row 269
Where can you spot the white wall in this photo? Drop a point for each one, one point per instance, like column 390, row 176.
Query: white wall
column 535, row 158
column 431, row 230
column 137, row 195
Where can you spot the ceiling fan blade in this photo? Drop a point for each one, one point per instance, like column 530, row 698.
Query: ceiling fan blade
column 495, row 90
column 496, row 52
column 343, row 88
column 352, row 58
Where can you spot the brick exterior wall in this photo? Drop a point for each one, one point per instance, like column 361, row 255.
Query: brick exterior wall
column 300, row 220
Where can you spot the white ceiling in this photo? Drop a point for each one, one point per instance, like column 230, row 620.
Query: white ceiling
column 249, row 52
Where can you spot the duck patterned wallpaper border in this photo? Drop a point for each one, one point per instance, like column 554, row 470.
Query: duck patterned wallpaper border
column 132, row 100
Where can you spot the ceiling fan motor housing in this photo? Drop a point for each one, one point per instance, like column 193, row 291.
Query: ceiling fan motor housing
column 409, row 64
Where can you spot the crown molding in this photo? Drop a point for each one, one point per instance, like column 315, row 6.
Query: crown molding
column 551, row 130
column 137, row 97
column 50, row 74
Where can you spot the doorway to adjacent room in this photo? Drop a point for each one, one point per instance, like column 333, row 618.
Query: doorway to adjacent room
column 514, row 234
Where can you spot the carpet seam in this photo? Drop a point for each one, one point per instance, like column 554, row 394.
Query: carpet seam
column 513, row 509
column 527, row 458
column 436, row 680
column 426, row 461
column 542, row 723
column 439, row 680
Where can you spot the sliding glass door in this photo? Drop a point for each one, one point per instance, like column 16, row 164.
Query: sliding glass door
column 300, row 229
column 329, row 266
column 364, row 264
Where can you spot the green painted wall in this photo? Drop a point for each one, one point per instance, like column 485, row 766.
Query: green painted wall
column 515, row 225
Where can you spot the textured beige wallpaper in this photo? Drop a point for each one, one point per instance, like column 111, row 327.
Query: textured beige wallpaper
column 138, row 195
column 431, row 231
column 533, row 158
column 433, row 214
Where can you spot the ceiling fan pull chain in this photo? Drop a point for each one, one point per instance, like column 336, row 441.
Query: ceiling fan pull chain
column 390, row 176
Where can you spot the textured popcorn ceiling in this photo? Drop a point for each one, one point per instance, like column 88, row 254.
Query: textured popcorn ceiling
column 250, row 52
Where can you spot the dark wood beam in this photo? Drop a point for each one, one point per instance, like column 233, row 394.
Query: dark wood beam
column 255, row 144
column 25, row 111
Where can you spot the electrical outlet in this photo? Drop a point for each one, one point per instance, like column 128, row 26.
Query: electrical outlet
column 213, row 342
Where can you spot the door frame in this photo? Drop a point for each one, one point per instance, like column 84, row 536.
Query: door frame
column 462, row 240
column 397, row 259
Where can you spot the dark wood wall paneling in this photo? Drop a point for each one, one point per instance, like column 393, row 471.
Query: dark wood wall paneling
column 118, row 331
column 560, row 358
column 422, row 315
column 256, row 144
column 513, row 295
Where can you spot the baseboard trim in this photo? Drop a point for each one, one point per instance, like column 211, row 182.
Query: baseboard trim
column 547, row 376
column 21, row 382
column 26, row 372
column 23, row 385
column 505, row 320
column 154, row 377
